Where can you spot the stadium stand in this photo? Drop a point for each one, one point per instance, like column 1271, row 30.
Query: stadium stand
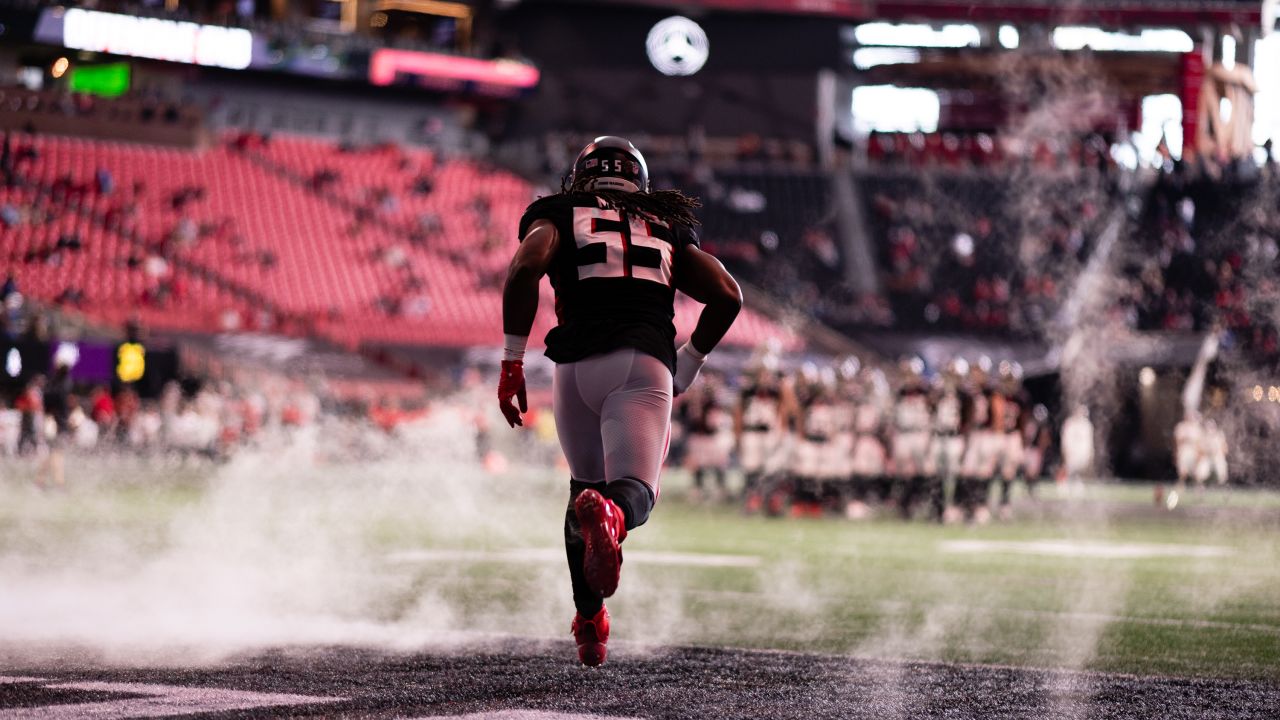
column 1207, row 254
column 959, row 252
column 354, row 245
column 776, row 230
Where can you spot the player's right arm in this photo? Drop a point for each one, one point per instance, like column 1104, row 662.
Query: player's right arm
column 519, row 307
column 531, row 261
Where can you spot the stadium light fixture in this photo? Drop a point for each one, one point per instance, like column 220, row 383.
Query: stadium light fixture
column 1008, row 37
column 888, row 108
column 869, row 57
column 1078, row 37
column 922, row 36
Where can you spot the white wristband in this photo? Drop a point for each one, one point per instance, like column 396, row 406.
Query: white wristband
column 513, row 347
column 688, row 363
column 692, row 351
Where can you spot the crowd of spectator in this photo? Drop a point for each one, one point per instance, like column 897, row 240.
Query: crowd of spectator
column 980, row 150
column 987, row 251
column 210, row 419
column 1208, row 252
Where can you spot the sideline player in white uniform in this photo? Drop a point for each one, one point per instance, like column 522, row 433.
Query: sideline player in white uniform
column 1038, row 440
column 1077, row 449
column 870, row 458
column 838, row 465
column 1186, row 450
column 819, row 432
column 1213, row 456
column 800, row 486
column 757, row 427
column 1009, row 416
column 979, row 464
column 911, row 435
column 946, row 447
column 707, row 442
column 615, row 252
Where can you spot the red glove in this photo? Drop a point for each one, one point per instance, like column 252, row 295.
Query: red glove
column 511, row 385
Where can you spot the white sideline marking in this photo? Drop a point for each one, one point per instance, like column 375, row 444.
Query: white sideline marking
column 161, row 700
column 20, row 680
column 643, row 557
column 1086, row 549
column 526, row 715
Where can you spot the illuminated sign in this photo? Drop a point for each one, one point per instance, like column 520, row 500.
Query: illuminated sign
column 921, row 36
column 385, row 65
column 677, row 46
column 1073, row 37
column 110, row 80
column 157, row 39
column 131, row 362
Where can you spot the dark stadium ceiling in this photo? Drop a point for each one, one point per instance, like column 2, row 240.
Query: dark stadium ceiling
column 1106, row 13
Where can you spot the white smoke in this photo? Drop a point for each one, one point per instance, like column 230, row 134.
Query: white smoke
column 280, row 550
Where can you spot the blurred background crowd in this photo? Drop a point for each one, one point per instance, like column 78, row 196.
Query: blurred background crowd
column 310, row 218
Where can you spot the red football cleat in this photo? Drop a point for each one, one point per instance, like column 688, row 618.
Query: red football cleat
column 591, row 636
column 603, row 527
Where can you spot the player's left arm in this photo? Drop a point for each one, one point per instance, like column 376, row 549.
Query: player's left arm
column 700, row 276
column 519, row 307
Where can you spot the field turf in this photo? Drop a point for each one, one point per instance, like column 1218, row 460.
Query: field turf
column 148, row 565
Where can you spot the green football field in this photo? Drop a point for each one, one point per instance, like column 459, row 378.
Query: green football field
column 145, row 560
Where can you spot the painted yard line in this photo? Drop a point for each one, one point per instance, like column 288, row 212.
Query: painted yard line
column 526, row 715
column 548, row 555
column 21, row 680
column 160, row 700
column 1086, row 549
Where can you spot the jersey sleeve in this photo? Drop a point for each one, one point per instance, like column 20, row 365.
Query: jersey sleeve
column 686, row 236
column 551, row 207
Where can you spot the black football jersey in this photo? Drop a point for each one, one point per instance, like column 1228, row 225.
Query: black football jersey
column 612, row 278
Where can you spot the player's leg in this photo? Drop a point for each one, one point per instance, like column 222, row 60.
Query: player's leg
column 1185, row 461
column 954, row 452
column 699, row 478
column 751, row 459
column 635, row 415
column 1007, row 472
column 635, row 424
column 578, row 427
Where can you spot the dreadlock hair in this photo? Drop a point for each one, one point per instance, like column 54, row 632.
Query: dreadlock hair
column 670, row 206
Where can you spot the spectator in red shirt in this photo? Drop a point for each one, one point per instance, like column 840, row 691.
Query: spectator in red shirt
column 102, row 407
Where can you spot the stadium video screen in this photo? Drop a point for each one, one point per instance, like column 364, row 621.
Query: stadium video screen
column 110, row 80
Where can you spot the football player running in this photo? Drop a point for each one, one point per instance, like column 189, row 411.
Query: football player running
column 615, row 252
